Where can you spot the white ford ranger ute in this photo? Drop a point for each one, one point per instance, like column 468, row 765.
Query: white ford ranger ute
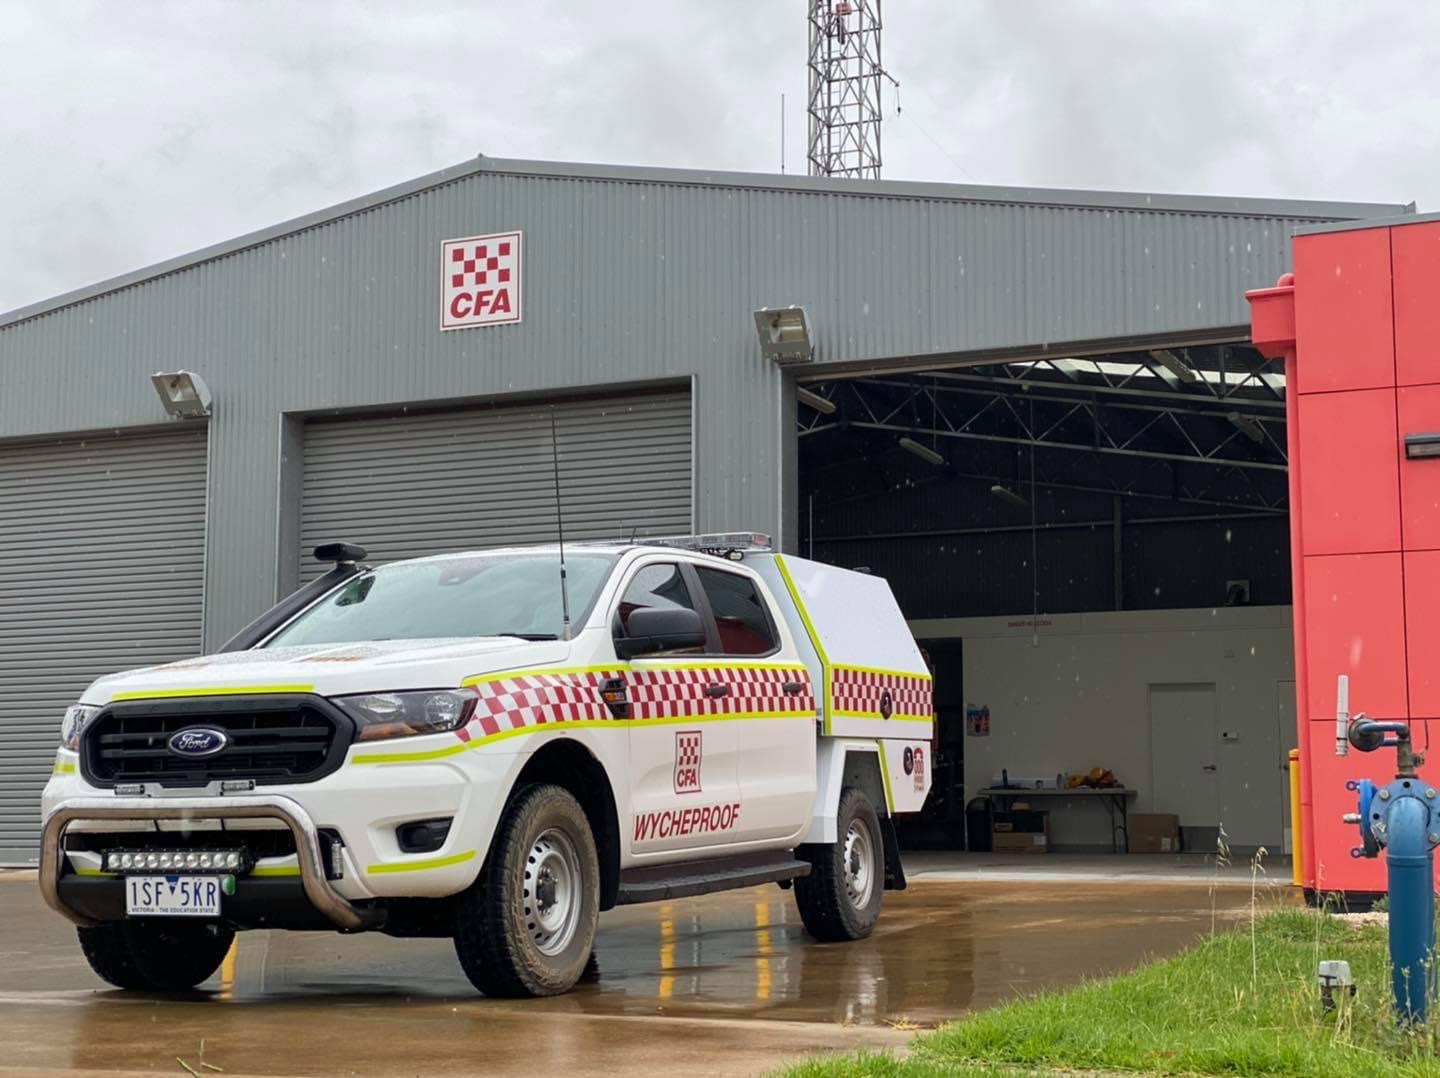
column 495, row 747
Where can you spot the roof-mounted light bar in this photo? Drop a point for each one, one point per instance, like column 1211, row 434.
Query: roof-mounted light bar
column 731, row 545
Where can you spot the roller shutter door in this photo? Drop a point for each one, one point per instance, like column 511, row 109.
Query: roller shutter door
column 102, row 555
column 415, row 484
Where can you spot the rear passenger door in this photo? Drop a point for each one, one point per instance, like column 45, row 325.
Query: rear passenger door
column 771, row 703
column 685, row 792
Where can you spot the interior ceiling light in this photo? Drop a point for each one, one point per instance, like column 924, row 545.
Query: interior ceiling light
column 184, row 394
column 784, row 334
column 924, row 452
column 1174, row 364
column 823, row 405
column 1247, row 425
column 1005, row 494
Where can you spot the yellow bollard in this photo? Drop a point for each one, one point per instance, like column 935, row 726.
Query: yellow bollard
column 1297, row 861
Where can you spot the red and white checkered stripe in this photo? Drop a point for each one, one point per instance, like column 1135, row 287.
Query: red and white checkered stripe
column 854, row 690
column 538, row 698
column 658, row 693
column 687, row 749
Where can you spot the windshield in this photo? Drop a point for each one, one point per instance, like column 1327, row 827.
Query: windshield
column 483, row 595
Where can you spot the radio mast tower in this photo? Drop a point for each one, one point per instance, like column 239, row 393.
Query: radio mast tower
column 845, row 76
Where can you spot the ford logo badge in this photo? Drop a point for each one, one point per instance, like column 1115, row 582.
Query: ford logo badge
column 198, row 741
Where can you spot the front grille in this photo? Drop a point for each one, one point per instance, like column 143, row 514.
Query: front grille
column 272, row 739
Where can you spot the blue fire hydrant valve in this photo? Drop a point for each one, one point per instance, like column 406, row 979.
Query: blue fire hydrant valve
column 1403, row 818
column 1366, row 791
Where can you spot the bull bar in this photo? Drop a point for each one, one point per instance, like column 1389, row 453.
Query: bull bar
column 343, row 913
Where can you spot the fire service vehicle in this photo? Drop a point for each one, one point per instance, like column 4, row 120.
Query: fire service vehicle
column 495, row 747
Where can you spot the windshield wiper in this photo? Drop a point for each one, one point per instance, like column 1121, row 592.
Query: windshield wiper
column 527, row 636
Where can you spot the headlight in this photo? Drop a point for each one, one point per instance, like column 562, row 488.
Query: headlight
column 76, row 719
column 405, row 714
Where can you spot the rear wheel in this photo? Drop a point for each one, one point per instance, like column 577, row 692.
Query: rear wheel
column 526, row 927
column 156, row 955
column 840, row 899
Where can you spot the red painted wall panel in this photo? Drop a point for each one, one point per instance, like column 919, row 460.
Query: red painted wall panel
column 1415, row 252
column 1349, row 486
column 1418, row 411
column 1335, row 869
column 1344, row 321
column 1422, row 631
column 1355, row 616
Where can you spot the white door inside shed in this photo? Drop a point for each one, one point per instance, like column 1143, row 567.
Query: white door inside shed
column 1184, row 750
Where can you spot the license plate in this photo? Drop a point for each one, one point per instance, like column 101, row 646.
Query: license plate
column 172, row 896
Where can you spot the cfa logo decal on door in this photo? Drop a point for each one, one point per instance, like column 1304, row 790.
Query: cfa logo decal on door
column 688, row 753
column 480, row 280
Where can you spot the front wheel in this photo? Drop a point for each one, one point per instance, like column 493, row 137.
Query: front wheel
column 840, row 899
column 526, row 926
column 156, row 955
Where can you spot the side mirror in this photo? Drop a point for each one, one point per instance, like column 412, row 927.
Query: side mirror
column 653, row 630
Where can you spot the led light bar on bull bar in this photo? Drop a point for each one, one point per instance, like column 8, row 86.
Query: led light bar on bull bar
column 175, row 861
column 732, row 545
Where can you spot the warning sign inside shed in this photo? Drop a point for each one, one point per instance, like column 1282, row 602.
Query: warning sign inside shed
column 480, row 280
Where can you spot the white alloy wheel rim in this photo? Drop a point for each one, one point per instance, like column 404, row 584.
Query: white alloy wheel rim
column 859, row 864
column 552, row 892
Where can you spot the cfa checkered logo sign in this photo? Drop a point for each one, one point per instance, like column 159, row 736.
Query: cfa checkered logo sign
column 687, row 761
column 480, row 280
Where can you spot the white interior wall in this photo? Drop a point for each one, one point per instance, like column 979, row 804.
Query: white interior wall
column 1075, row 695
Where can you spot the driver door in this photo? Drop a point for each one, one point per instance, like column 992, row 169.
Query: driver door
column 685, row 790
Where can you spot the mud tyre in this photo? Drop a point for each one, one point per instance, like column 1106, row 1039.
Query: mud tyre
column 155, row 956
column 840, row 899
column 526, row 926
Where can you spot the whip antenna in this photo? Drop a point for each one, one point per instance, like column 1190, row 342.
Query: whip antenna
column 560, row 527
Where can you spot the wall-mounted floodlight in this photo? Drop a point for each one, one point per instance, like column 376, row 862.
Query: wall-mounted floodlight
column 1005, row 494
column 184, row 394
column 1174, row 364
column 811, row 399
column 1247, row 425
column 1421, row 446
column 784, row 334
column 924, row 452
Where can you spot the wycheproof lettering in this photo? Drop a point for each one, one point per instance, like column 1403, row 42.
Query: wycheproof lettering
column 680, row 822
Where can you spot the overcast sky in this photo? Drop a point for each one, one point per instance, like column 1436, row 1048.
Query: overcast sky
column 135, row 130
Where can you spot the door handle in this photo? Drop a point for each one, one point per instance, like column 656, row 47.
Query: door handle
column 1208, row 767
column 794, row 688
column 612, row 691
column 717, row 691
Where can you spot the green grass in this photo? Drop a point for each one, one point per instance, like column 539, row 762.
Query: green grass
column 1240, row 1003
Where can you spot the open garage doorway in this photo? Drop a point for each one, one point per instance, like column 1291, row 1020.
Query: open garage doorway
column 1071, row 537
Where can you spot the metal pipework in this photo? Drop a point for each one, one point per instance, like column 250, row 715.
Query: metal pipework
column 1400, row 817
column 323, row 897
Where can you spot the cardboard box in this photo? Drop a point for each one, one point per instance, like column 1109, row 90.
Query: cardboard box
column 1020, row 842
column 1022, row 820
column 1154, row 833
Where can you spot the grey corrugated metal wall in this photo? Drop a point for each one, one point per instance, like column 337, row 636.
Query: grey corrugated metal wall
column 409, row 485
column 102, row 544
column 632, row 276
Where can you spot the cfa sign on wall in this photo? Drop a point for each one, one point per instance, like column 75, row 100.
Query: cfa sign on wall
column 480, row 280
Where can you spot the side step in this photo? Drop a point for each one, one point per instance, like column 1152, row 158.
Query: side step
column 702, row 877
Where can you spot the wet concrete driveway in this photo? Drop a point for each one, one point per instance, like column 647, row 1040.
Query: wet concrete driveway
column 718, row 985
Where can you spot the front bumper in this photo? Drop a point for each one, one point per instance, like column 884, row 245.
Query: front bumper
column 339, row 910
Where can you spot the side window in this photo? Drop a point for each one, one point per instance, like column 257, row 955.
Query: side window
column 740, row 614
column 659, row 586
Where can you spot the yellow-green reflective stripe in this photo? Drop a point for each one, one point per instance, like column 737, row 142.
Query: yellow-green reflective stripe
column 217, row 690
column 419, row 866
column 825, row 692
column 92, row 872
column 885, row 777
column 556, row 727
column 275, row 870
column 876, row 715
column 63, row 768
column 883, row 672
column 718, row 663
